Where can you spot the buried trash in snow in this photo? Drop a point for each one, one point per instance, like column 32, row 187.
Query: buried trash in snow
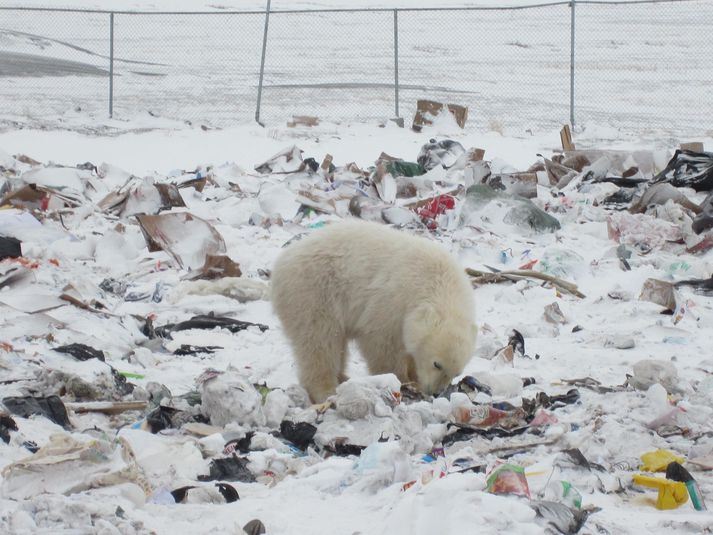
column 231, row 468
column 205, row 494
column 301, row 434
column 10, row 248
column 688, row 169
column 201, row 322
column 444, row 153
column 160, row 418
column 7, row 424
column 508, row 478
column 564, row 519
column 81, row 352
column 187, row 349
column 185, row 237
column 50, row 407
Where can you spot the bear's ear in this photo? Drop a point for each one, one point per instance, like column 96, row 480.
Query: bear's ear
column 419, row 323
column 427, row 316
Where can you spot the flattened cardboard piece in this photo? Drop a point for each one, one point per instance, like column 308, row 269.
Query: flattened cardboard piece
column 216, row 267
column 619, row 160
column 303, row 120
column 659, row 292
column 566, row 138
column 426, row 109
column 197, row 183
column 695, row 146
column 475, row 154
column 170, row 196
column 286, row 161
column 30, row 303
column 36, row 197
column 186, row 238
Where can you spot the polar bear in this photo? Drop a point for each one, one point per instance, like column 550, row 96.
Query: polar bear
column 404, row 299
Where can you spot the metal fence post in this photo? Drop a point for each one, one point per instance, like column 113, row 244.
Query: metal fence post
column 396, row 60
column 571, row 65
column 111, row 65
column 262, row 64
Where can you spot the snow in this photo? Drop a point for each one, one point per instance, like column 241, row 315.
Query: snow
column 510, row 68
column 308, row 494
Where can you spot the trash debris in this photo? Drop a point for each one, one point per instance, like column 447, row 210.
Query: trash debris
column 428, row 110
column 508, row 478
column 160, row 418
column 204, row 322
column 518, row 211
column 439, row 153
column 140, row 363
column 300, row 434
column 228, row 397
column 81, row 352
column 564, row 519
column 553, row 314
column 704, row 218
column 10, row 248
column 187, row 238
column 303, row 120
column 231, row 468
column 659, row 292
column 50, row 407
column 658, row 460
column 651, row 371
column 660, row 194
column 286, row 161
column 563, row 492
column 497, row 275
column 7, row 424
column 671, row 494
column 216, row 267
column 688, row 169
column 676, row 472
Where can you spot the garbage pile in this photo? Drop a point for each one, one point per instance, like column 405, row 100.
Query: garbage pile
column 143, row 370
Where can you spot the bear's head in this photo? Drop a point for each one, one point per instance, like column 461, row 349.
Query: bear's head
column 440, row 344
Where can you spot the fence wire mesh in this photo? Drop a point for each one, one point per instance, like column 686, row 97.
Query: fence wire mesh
column 645, row 66
column 511, row 68
column 638, row 66
column 329, row 64
column 53, row 63
column 198, row 68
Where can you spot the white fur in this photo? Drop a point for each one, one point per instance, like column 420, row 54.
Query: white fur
column 403, row 298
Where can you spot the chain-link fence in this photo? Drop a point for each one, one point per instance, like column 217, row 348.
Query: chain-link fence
column 637, row 65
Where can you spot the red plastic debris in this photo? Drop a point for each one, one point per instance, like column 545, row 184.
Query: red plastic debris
column 435, row 207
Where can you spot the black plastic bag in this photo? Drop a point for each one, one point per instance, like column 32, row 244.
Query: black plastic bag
column 10, row 248
column 81, row 352
column 51, row 407
column 232, row 468
column 690, row 169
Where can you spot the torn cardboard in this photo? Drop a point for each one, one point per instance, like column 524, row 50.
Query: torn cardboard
column 427, row 110
column 186, row 238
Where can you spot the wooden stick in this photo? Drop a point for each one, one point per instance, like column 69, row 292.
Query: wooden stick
column 107, row 407
column 520, row 274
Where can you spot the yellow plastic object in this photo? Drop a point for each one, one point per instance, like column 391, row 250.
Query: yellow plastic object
column 657, row 461
column 671, row 493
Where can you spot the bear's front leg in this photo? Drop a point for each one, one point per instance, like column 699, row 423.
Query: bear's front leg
column 320, row 366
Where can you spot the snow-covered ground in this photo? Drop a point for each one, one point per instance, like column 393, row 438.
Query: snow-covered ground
column 516, row 120
column 331, row 496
